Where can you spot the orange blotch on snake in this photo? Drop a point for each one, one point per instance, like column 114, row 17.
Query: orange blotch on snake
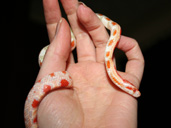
column 114, row 23
column 114, row 33
column 70, row 77
column 52, row 74
column 35, row 103
column 116, row 81
column 107, row 19
column 64, row 83
column 40, row 64
column 46, row 88
column 107, row 54
column 110, row 43
column 130, row 88
column 64, row 72
column 35, row 120
column 72, row 44
column 134, row 90
column 108, row 64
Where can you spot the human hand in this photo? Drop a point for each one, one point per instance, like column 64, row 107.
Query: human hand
column 94, row 101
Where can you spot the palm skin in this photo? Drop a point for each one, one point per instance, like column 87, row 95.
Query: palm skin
column 94, row 101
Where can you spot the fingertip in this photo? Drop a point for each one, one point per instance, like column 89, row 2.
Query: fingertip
column 85, row 14
column 51, row 11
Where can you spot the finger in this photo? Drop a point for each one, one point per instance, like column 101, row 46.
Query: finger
column 135, row 64
column 70, row 7
column 52, row 16
column 95, row 28
column 58, row 52
column 85, row 46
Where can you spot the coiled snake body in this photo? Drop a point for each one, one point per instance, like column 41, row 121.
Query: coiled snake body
column 63, row 79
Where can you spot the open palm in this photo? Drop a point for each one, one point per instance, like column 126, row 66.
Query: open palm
column 94, row 101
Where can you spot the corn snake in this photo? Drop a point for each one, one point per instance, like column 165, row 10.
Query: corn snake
column 63, row 79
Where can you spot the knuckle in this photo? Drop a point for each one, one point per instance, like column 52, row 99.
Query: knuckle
column 134, row 41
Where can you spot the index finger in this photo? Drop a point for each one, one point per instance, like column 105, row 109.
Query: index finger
column 52, row 16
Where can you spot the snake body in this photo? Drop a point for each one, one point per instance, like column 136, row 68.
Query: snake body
column 63, row 79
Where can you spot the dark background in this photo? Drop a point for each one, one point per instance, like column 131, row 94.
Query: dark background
column 148, row 21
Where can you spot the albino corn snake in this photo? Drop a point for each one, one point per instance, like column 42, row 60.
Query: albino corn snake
column 63, row 79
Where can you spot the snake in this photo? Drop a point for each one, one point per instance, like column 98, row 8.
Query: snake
column 62, row 79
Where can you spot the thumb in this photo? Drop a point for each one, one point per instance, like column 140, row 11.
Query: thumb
column 58, row 51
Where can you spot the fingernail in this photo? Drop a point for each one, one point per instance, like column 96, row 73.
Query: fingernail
column 58, row 26
column 81, row 3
